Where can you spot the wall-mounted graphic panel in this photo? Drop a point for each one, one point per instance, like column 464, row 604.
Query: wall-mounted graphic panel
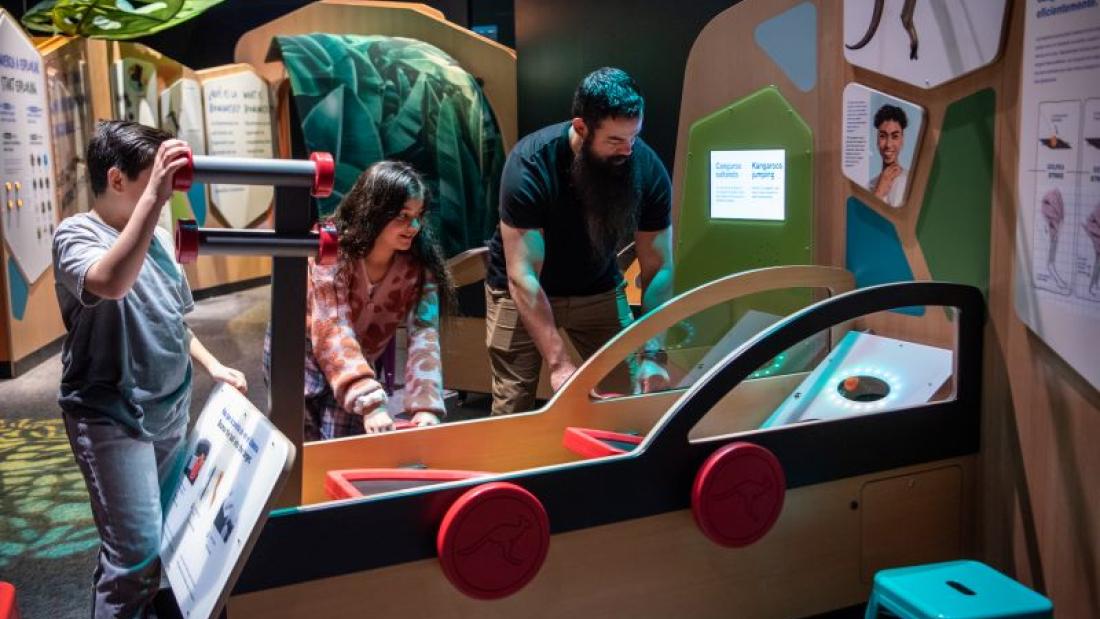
column 1058, row 220
column 923, row 42
column 134, row 86
column 181, row 107
column 27, row 179
column 881, row 138
column 67, row 89
column 238, row 124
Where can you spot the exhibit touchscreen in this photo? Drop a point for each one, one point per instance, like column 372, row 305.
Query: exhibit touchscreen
column 748, row 184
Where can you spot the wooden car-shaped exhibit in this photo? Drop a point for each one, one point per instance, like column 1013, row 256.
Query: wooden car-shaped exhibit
column 708, row 515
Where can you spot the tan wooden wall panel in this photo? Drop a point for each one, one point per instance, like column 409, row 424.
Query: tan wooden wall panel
column 1041, row 505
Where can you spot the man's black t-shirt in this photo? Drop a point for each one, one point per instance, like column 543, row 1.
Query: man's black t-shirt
column 536, row 192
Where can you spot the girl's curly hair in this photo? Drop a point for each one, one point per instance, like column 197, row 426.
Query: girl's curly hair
column 376, row 199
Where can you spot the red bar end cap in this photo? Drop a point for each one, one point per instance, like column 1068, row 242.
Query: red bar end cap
column 324, row 174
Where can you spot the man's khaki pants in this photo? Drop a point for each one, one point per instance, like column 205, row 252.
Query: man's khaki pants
column 515, row 361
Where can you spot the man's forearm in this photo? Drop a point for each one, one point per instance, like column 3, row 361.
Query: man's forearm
column 654, row 293
column 534, row 310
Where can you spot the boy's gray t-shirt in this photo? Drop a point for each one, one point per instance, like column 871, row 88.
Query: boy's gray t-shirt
column 127, row 359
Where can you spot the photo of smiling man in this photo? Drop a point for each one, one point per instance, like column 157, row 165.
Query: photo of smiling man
column 882, row 135
column 889, row 184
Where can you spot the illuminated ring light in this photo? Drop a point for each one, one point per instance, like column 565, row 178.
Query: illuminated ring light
column 892, row 382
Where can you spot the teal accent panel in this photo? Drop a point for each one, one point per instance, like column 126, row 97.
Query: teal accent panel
column 706, row 248
column 790, row 40
column 17, row 284
column 874, row 253
column 953, row 228
column 196, row 195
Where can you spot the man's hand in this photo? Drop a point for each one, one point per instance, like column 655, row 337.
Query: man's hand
column 651, row 377
column 886, row 180
column 425, row 418
column 170, row 157
column 560, row 373
column 233, row 378
column 377, row 421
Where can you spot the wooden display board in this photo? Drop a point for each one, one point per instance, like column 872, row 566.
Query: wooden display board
column 29, row 207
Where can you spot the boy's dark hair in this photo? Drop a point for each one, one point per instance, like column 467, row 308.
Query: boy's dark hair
column 607, row 92
column 121, row 144
column 891, row 112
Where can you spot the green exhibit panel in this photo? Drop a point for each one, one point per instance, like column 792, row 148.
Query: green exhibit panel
column 954, row 224
column 748, row 196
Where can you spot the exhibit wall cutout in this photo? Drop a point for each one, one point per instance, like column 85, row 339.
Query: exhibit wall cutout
column 923, row 43
column 881, row 139
column 71, row 124
column 238, row 117
column 1057, row 283
column 134, row 87
column 181, row 114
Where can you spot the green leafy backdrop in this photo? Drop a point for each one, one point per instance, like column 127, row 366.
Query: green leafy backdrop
column 367, row 98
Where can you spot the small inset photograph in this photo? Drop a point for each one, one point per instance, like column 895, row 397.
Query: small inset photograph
column 881, row 138
column 195, row 461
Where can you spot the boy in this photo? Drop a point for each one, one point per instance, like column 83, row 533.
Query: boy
column 126, row 379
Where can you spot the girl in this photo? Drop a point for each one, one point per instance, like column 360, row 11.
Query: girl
column 389, row 269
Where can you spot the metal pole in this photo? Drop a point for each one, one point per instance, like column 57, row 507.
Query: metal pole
column 293, row 216
column 245, row 171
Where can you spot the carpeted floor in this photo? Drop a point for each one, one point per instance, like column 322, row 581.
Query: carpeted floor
column 47, row 538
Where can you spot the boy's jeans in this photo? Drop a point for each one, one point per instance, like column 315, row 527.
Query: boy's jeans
column 129, row 480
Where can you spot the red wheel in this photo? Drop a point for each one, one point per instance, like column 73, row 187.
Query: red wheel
column 738, row 494
column 493, row 540
column 328, row 244
column 182, row 179
column 187, row 241
column 324, row 174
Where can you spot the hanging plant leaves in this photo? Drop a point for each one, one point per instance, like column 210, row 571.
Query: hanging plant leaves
column 111, row 19
column 367, row 98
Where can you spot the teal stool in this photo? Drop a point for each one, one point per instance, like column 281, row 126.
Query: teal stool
column 954, row 590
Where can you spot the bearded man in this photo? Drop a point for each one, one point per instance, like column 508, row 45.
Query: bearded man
column 571, row 195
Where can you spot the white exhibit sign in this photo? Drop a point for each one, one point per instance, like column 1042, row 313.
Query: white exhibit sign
column 881, row 136
column 235, row 463
column 238, row 124
column 134, row 83
column 1057, row 284
column 27, row 176
column 748, row 184
column 924, row 43
column 181, row 113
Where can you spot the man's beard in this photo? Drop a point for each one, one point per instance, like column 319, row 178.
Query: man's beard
column 608, row 197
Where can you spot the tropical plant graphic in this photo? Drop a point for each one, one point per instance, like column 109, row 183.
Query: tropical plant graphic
column 111, row 19
column 367, row 98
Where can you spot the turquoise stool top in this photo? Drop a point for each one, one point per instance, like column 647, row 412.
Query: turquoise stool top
column 954, row 590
